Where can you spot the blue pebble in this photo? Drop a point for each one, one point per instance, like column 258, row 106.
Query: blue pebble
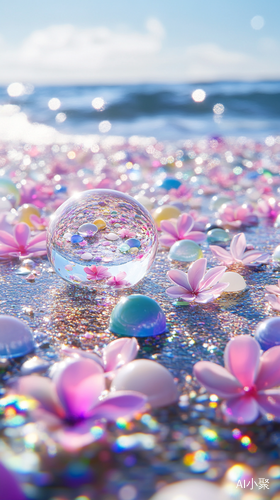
column 133, row 242
column 170, row 183
column 268, row 333
column 76, row 238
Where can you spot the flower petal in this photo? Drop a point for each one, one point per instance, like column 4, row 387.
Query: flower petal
column 196, row 272
column 238, row 245
column 79, row 385
column 9, row 486
column 168, row 227
column 216, row 379
column 216, row 290
column 204, row 297
column 167, row 241
column 243, row 410
column 269, row 371
column 74, row 437
column 269, row 401
column 8, row 239
column 39, row 238
column 197, row 236
column 119, row 352
column 212, row 277
column 179, row 278
column 273, row 289
column 242, row 358
column 184, row 225
column 178, row 291
column 22, row 233
column 223, row 255
column 255, row 256
column 274, row 301
column 120, row 404
column 42, row 389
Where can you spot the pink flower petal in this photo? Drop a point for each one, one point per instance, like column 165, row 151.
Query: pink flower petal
column 120, row 404
column 184, row 225
column 75, row 437
column 254, row 256
column 42, row 389
column 179, row 291
column 204, row 297
column 197, row 236
column 167, row 241
column 179, row 278
column 39, row 238
column 216, row 379
column 237, row 246
column 196, row 272
column 212, row 277
column 6, row 250
column 216, row 290
column 79, row 386
column 8, row 239
column 242, row 358
column 223, row 255
column 119, row 352
column 274, row 301
column 243, row 410
column 22, row 233
column 168, row 227
column 269, row 401
column 273, row 289
column 269, row 370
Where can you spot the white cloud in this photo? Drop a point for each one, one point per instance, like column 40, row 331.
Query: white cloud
column 68, row 54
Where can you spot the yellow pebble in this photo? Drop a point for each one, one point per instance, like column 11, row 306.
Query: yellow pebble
column 100, row 223
column 164, row 213
column 25, row 211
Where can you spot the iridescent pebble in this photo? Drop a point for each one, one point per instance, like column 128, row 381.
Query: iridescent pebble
column 192, row 489
column 236, row 282
column 28, row 263
column 100, row 223
column 185, row 251
column 276, row 254
column 22, row 271
column 218, row 237
column 86, row 256
column 76, row 238
column 111, row 236
column 277, row 222
column 149, row 378
column 117, row 225
column 164, row 213
column 34, row 364
column 106, row 259
column 67, row 236
column 137, row 316
column 124, row 248
column 15, row 337
column 268, row 333
column 133, row 242
column 114, row 212
column 87, row 229
column 134, row 250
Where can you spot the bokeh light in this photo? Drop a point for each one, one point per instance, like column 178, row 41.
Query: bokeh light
column 60, row 117
column 54, row 103
column 98, row 103
column 198, row 95
column 104, row 126
column 16, row 89
column 127, row 492
column 257, row 22
column 218, row 109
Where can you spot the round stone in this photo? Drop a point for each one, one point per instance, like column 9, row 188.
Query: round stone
column 133, row 242
column 128, row 268
column 87, row 230
column 15, row 337
column 164, row 213
column 191, row 489
column 185, row 251
column 137, row 316
column 268, row 333
column 217, row 201
column 218, row 237
column 25, row 211
column 276, row 254
column 236, row 282
column 100, row 223
column 7, row 187
column 170, row 183
column 149, row 378
column 145, row 201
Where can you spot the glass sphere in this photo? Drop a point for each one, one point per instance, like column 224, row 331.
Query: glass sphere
column 102, row 239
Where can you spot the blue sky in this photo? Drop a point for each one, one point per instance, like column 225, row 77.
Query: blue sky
column 85, row 41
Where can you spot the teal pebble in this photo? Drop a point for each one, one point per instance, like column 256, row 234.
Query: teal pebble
column 124, row 248
column 137, row 316
column 185, row 251
column 218, row 237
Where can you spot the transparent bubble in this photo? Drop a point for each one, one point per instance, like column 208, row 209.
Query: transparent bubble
column 102, row 239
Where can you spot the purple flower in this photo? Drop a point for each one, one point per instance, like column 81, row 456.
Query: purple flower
column 97, row 273
column 116, row 354
column 236, row 216
column 196, row 286
column 39, row 222
column 248, row 382
column 180, row 231
column 74, row 401
column 273, row 296
column 20, row 245
column 237, row 253
column 126, row 233
column 118, row 281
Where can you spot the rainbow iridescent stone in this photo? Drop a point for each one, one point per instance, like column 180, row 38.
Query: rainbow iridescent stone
column 218, row 237
column 7, row 187
column 88, row 240
column 137, row 316
column 185, row 251
column 15, row 338
column 268, row 333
